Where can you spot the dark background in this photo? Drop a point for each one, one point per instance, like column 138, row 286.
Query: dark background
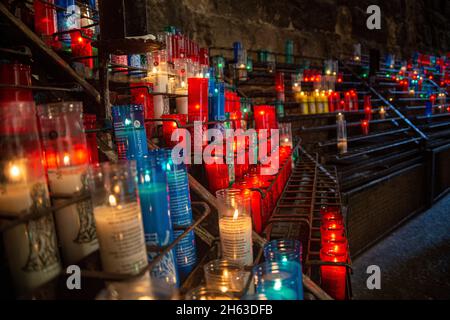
column 318, row 27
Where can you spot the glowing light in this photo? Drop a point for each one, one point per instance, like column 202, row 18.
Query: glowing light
column 112, row 200
column 235, row 214
column 277, row 286
column 66, row 160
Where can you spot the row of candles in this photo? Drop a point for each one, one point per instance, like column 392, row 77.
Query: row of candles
column 327, row 101
column 334, row 249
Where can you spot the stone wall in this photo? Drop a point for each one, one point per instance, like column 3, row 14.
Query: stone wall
column 318, row 27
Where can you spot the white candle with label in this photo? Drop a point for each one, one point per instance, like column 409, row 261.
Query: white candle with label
column 121, row 237
column 236, row 238
column 75, row 223
column 31, row 248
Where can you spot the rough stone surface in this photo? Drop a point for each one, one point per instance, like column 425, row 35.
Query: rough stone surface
column 414, row 260
column 318, row 27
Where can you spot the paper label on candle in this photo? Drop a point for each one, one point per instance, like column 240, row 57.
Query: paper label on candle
column 31, row 248
column 236, row 239
column 121, row 238
column 75, row 223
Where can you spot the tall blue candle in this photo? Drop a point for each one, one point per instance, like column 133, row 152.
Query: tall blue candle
column 181, row 214
column 217, row 102
column 428, row 109
column 237, row 48
column 154, row 200
column 129, row 130
column 68, row 18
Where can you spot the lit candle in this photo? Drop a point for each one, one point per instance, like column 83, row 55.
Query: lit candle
column 67, row 164
column 365, row 127
column 382, row 113
column 45, row 20
column 225, row 276
column 341, row 133
column 118, row 217
column 334, row 277
column 235, row 225
column 278, row 280
column 332, row 230
column 30, row 248
column 217, row 174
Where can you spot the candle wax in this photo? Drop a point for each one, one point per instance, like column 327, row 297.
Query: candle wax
column 121, row 238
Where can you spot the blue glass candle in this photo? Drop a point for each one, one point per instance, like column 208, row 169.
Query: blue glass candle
column 428, row 109
column 237, row 49
column 181, row 214
column 129, row 130
column 68, row 18
column 277, row 281
column 286, row 250
column 289, row 51
column 217, row 102
column 154, row 200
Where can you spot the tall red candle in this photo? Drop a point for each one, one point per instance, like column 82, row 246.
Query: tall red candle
column 368, row 107
column 198, row 98
column 45, row 20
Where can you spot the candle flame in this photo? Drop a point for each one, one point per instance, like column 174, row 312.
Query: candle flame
column 277, row 286
column 66, row 160
column 14, row 171
column 112, row 200
column 236, row 214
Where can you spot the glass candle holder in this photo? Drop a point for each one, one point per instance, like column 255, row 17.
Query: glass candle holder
column 181, row 215
column 368, row 107
column 15, row 74
column 67, row 158
column 341, row 127
column 140, row 95
column 142, row 288
column 45, row 20
column 286, row 250
column 235, row 226
column 68, row 18
column 204, row 293
column 129, row 130
column 263, row 117
column 118, row 217
column 334, row 277
column 289, row 51
column 225, row 276
column 332, row 231
column 217, row 174
column 30, row 248
column 198, row 98
column 170, row 126
column 330, row 213
column 155, row 205
column 90, row 123
column 365, row 127
column 277, row 281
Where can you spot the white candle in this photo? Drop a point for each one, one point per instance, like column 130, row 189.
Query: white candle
column 236, row 238
column 121, row 237
column 31, row 248
column 75, row 223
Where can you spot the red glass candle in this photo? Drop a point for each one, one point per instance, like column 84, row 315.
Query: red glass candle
column 81, row 46
column 332, row 231
column 217, row 174
column 15, row 74
column 198, row 98
column 368, row 107
column 89, row 122
column 354, row 97
column 45, row 20
column 170, row 126
column 330, row 213
column 262, row 117
column 256, row 204
column 340, row 77
column 365, row 127
column 348, row 101
column 334, row 277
